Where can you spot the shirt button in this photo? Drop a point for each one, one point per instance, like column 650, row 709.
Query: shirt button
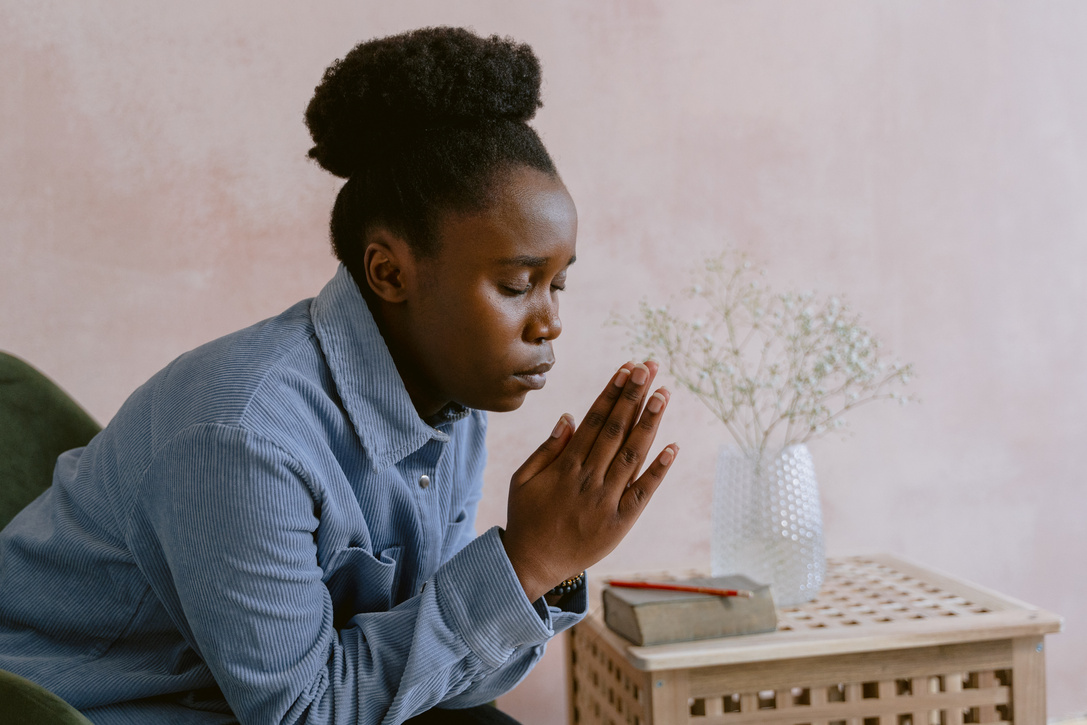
column 424, row 481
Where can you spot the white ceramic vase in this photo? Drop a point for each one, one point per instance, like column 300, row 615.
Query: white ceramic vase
column 767, row 522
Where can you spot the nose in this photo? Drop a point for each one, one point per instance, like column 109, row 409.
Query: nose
column 543, row 324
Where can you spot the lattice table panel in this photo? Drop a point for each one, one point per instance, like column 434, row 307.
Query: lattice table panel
column 951, row 699
column 885, row 643
column 862, row 591
column 606, row 688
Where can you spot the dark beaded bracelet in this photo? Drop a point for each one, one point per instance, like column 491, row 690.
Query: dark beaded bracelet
column 570, row 585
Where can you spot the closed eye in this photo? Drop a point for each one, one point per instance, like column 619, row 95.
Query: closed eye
column 515, row 291
column 558, row 282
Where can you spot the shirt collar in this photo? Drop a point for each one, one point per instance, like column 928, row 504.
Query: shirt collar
column 366, row 377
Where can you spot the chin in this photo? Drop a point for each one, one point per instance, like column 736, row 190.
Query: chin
column 504, row 404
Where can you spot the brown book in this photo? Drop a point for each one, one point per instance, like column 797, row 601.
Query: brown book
column 650, row 616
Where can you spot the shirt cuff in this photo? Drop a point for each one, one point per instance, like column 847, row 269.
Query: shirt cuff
column 480, row 591
column 572, row 609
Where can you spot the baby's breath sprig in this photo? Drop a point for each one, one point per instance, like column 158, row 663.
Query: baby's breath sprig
column 775, row 368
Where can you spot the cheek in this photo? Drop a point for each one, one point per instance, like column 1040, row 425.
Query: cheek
column 497, row 324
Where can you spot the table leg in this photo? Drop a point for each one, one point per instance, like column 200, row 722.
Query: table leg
column 668, row 701
column 1028, row 680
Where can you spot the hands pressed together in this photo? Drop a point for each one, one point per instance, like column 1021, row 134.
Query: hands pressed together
column 579, row 493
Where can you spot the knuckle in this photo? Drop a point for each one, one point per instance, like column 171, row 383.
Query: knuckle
column 586, row 479
column 614, row 429
column 629, row 457
column 566, row 466
column 632, row 394
column 594, row 419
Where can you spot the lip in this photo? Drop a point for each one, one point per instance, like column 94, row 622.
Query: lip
column 534, row 378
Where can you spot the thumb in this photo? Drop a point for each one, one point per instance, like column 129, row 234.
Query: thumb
column 543, row 456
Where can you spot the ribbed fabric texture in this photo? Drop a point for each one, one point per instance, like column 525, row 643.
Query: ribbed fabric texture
column 250, row 538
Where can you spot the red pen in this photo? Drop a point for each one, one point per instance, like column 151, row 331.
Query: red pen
column 682, row 588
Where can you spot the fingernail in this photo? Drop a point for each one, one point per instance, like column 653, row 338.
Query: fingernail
column 656, row 403
column 667, row 455
column 559, row 427
column 640, row 374
column 621, row 378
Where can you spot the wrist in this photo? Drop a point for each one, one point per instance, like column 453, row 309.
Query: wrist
column 526, row 569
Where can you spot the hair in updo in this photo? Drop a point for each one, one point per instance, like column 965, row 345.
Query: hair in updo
column 419, row 124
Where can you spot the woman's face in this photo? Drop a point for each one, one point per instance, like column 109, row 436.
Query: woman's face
column 486, row 307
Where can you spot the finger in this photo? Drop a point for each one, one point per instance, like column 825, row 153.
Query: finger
column 629, row 460
column 614, row 432
column 653, row 367
column 594, row 420
column 548, row 451
column 637, row 495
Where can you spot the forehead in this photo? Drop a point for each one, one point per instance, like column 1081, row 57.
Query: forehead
column 531, row 222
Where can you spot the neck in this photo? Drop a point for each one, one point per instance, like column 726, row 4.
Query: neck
column 406, row 357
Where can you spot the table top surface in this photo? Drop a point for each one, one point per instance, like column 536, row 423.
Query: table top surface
column 867, row 603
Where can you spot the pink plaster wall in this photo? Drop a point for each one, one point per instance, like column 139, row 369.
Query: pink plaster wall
column 926, row 159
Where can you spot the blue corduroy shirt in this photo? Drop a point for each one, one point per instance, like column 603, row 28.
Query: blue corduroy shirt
column 268, row 531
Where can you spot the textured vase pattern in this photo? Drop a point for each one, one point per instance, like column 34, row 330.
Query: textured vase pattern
column 767, row 522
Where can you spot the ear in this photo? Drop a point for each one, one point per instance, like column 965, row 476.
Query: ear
column 390, row 265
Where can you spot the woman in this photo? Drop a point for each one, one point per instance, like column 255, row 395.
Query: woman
column 278, row 527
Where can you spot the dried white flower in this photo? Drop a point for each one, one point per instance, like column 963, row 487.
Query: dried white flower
column 787, row 366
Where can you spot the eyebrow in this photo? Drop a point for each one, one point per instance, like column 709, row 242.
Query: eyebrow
column 526, row 260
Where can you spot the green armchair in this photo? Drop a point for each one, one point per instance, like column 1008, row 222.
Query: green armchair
column 26, row 703
column 38, row 422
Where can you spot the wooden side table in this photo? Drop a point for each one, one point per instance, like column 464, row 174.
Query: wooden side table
column 885, row 643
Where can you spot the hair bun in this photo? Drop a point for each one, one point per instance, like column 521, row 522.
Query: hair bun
column 387, row 87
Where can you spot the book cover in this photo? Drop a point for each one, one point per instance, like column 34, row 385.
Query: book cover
column 647, row 616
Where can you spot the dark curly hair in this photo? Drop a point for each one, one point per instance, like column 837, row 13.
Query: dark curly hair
column 419, row 124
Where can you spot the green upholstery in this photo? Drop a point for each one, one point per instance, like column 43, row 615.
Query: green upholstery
column 38, row 422
column 25, row 703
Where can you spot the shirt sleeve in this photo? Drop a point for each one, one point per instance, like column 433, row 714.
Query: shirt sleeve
column 224, row 528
